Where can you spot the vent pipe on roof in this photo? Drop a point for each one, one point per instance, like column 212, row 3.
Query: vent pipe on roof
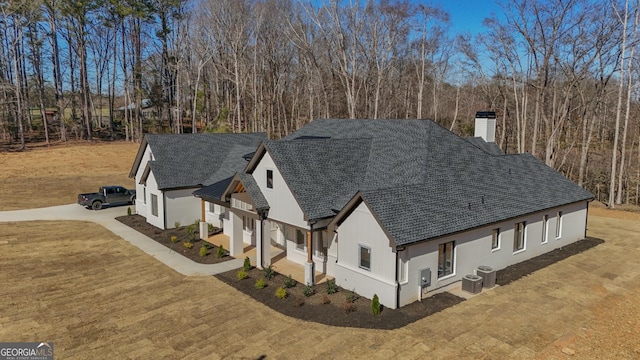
column 485, row 125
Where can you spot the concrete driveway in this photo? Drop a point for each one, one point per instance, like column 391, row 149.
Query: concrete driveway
column 106, row 217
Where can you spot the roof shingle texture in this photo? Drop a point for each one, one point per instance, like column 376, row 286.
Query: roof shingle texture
column 192, row 160
column 420, row 180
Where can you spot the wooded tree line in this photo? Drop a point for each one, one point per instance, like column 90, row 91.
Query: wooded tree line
column 560, row 74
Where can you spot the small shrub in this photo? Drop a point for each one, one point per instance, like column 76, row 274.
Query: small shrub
column 289, row 282
column 207, row 245
column 177, row 224
column 220, row 252
column 351, row 296
column 297, row 301
column 174, row 239
column 188, row 245
column 203, row 251
column 325, row 299
column 196, row 223
column 332, row 288
column 246, row 266
column 269, row 273
column 191, row 231
column 375, row 305
column 348, row 307
column 129, row 211
column 211, row 228
column 241, row 275
column 309, row 290
column 260, row 284
column 281, row 293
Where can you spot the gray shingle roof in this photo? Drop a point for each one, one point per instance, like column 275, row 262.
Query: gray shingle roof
column 489, row 147
column 252, row 188
column 322, row 174
column 191, row 160
column 420, row 180
column 214, row 192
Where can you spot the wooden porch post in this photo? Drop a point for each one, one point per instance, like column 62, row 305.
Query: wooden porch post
column 202, row 211
column 309, row 258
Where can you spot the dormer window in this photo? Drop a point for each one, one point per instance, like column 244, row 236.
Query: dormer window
column 269, row 179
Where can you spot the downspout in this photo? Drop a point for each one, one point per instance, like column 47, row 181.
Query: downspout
column 310, row 276
column 586, row 219
column 263, row 216
column 164, row 209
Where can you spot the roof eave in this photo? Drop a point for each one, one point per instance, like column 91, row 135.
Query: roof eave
column 488, row 224
column 138, row 159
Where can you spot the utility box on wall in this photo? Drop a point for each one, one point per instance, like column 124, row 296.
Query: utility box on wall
column 425, row 278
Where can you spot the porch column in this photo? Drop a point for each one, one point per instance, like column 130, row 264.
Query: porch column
column 204, row 227
column 259, row 243
column 235, row 237
column 266, row 243
column 309, row 271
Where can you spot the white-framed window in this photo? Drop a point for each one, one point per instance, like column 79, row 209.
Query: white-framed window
column 320, row 244
column 446, row 259
column 364, row 257
column 269, row 179
column 495, row 239
column 545, row 221
column 300, row 240
column 154, row 204
column 144, row 195
column 559, row 224
column 239, row 204
column 519, row 236
column 248, row 224
column 212, row 207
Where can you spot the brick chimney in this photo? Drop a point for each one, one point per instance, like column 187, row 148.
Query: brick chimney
column 485, row 125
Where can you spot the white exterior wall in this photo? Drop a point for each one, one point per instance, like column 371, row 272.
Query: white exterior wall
column 285, row 211
column 141, row 207
column 152, row 188
column 473, row 248
column 174, row 205
column 214, row 218
column 283, row 206
column 361, row 228
column 182, row 206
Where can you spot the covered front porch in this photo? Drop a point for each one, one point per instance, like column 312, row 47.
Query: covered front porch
column 279, row 260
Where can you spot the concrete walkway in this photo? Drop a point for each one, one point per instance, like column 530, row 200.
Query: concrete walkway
column 106, row 217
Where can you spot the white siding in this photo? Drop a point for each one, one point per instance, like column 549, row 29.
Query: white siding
column 141, row 208
column 152, row 188
column 473, row 248
column 214, row 218
column 361, row 228
column 182, row 206
column 283, row 206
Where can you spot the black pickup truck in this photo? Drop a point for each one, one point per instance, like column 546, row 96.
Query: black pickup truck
column 107, row 195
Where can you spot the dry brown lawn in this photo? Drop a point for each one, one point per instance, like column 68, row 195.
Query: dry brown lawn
column 98, row 297
column 54, row 176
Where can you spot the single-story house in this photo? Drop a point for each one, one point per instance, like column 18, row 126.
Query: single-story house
column 168, row 168
column 398, row 208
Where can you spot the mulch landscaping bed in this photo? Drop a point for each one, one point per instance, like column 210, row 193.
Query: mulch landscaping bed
column 163, row 237
column 343, row 308
column 330, row 309
column 517, row 271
